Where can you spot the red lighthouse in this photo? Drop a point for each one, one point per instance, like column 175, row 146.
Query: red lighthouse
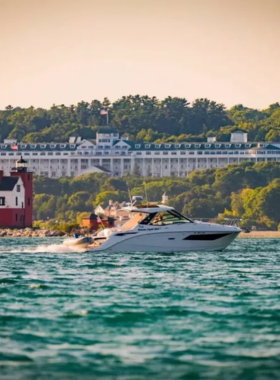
column 16, row 197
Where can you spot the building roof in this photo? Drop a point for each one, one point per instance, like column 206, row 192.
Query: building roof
column 266, row 147
column 21, row 161
column 27, row 149
column 107, row 130
column 21, row 147
column 140, row 146
column 53, row 149
column 125, row 142
column 8, row 183
column 74, row 135
column 238, row 130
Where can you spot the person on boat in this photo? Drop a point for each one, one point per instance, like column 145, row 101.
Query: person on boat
column 158, row 220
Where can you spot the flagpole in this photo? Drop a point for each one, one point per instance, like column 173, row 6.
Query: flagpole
column 105, row 112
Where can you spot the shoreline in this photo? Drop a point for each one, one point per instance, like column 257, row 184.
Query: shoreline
column 260, row 234
column 30, row 232
column 41, row 233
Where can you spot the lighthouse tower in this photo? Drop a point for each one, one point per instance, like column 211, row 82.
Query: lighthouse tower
column 21, row 170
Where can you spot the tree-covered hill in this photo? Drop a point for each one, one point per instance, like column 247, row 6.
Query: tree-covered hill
column 142, row 118
column 248, row 191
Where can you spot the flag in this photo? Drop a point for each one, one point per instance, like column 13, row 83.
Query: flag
column 14, row 146
column 98, row 219
column 103, row 112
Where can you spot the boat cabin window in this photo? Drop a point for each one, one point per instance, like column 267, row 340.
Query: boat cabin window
column 148, row 218
column 165, row 218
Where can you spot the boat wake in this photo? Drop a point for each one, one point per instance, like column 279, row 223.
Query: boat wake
column 54, row 248
column 43, row 248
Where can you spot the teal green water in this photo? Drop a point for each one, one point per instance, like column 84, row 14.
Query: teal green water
column 67, row 315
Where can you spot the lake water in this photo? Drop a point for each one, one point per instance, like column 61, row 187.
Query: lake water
column 68, row 315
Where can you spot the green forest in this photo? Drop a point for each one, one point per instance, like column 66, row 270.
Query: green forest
column 141, row 118
column 247, row 191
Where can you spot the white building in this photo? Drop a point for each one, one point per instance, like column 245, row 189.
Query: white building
column 11, row 193
column 117, row 156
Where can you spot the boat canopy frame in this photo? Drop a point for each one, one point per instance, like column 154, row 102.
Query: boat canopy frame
column 156, row 218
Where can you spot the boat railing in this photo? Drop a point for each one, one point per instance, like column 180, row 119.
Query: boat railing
column 223, row 221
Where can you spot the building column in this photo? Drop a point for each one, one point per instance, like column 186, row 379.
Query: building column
column 68, row 166
column 79, row 166
column 122, row 168
column 169, row 161
column 132, row 164
column 111, row 165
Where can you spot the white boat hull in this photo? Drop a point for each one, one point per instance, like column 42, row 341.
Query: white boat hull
column 177, row 241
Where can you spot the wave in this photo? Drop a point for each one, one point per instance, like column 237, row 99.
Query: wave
column 44, row 248
column 54, row 248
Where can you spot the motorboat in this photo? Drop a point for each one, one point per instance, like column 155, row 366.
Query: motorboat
column 81, row 242
column 160, row 228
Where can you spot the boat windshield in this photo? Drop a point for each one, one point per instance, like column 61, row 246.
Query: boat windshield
column 165, row 218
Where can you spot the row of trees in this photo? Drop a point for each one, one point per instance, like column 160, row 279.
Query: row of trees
column 141, row 117
column 247, row 191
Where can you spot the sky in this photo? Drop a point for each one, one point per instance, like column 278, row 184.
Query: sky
column 66, row 51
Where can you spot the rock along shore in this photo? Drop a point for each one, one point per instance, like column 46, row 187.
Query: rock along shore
column 30, row 232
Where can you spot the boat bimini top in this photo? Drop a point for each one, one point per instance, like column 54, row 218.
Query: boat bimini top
column 147, row 208
column 153, row 215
